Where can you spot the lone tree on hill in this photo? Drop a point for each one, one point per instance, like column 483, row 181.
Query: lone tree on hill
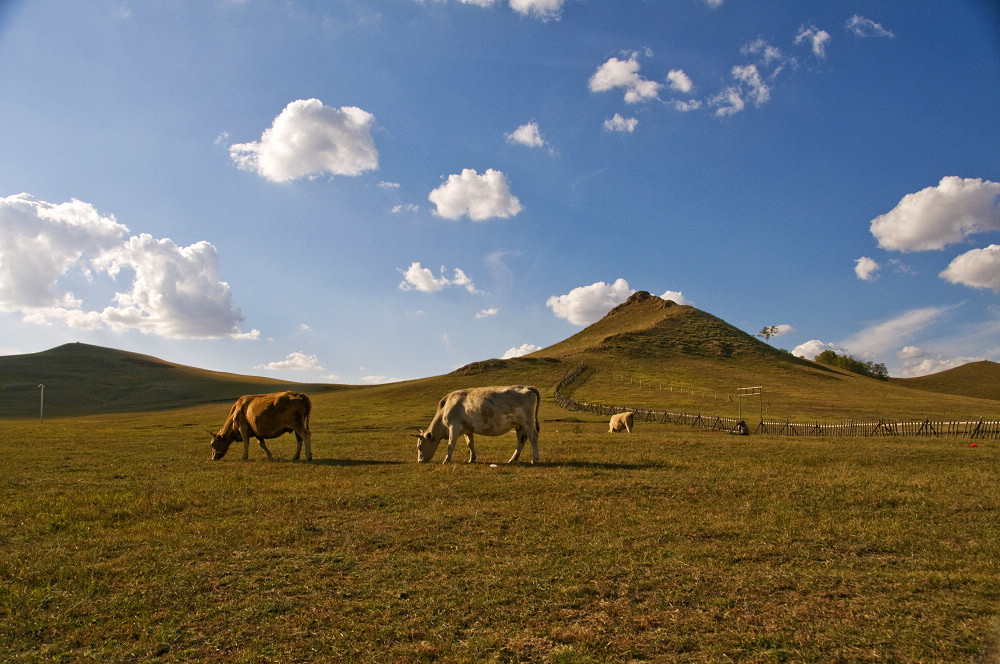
column 768, row 332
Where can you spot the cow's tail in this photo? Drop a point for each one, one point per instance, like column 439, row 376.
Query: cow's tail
column 308, row 410
column 538, row 402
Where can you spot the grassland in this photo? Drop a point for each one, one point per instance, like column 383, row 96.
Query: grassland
column 122, row 542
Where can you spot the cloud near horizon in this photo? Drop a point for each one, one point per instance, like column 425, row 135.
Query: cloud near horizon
column 295, row 361
column 920, row 362
column 309, row 139
column 520, row 351
column 174, row 292
column 814, row 347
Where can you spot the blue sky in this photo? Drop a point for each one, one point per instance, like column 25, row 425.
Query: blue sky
column 370, row 190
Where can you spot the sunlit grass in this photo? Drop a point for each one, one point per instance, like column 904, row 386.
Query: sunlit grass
column 123, row 542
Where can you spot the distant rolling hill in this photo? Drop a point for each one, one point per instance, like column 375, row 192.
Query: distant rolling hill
column 975, row 379
column 647, row 352
column 81, row 379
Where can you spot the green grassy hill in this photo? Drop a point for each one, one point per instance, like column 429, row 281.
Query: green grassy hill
column 81, row 379
column 975, row 379
column 647, row 352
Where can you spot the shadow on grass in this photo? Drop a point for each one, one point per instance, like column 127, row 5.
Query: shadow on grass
column 600, row 465
column 352, row 462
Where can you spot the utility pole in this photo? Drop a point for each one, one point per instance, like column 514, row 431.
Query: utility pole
column 41, row 403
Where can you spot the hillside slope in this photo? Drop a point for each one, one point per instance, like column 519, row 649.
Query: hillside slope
column 82, row 379
column 650, row 352
column 975, row 379
column 647, row 352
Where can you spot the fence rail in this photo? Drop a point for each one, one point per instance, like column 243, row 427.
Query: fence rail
column 974, row 429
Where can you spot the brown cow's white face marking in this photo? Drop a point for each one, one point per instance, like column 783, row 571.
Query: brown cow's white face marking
column 426, row 447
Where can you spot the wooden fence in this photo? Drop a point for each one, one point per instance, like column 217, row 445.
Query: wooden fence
column 975, row 429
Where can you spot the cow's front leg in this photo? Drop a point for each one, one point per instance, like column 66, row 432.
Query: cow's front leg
column 264, row 447
column 452, row 438
column 472, row 448
column 246, row 448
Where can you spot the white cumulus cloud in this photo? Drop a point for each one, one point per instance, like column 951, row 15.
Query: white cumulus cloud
column 977, row 268
column 616, row 73
column 487, row 313
column 622, row 124
column 586, row 304
column 176, row 291
column 679, row 80
column 814, row 347
column 417, row 277
column 40, row 242
column 935, row 217
column 478, row 196
column 866, row 269
column 676, row 296
column 173, row 291
column 528, row 135
column 308, row 139
column 518, row 351
column 297, row 361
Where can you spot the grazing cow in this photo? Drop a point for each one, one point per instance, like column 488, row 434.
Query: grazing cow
column 263, row 416
column 490, row 411
column 621, row 421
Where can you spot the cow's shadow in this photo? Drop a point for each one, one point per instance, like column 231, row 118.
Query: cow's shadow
column 351, row 462
column 607, row 466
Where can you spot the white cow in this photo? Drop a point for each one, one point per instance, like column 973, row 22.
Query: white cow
column 490, row 411
column 621, row 421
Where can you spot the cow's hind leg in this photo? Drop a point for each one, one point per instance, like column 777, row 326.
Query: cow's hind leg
column 263, row 447
column 298, row 446
column 472, row 448
column 307, row 438
column 521, row 437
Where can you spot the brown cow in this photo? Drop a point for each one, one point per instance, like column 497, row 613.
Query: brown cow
column 263, row 416
column 490, row 411
column 621, row 421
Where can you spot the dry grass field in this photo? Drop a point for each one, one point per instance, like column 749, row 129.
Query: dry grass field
column 123, row 542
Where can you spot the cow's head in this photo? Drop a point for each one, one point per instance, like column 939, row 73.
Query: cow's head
column 426, row 447
column 220, row 445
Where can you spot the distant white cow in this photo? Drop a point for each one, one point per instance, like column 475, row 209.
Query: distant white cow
column 490, row 411
column 621, row 421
